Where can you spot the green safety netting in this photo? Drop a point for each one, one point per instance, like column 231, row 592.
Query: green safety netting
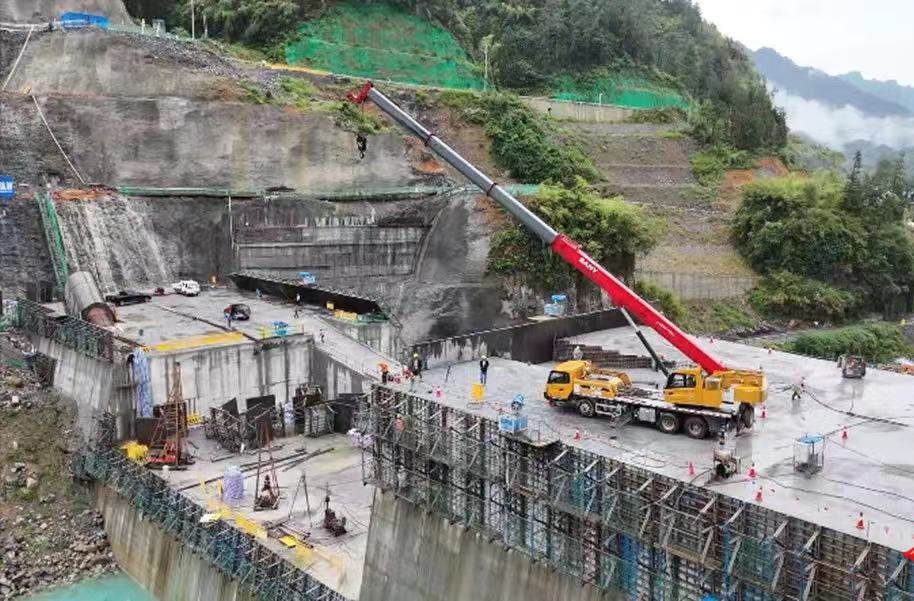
column 383, row 42
column 631, row 92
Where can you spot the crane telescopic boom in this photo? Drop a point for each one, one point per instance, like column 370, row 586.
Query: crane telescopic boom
column 562, row 245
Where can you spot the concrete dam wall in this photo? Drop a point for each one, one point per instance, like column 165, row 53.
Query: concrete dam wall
column 417, row 556
column 164, row 565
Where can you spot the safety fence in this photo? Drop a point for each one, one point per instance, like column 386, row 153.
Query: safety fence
column 611, row 524
column 630, row 92
column 384, row 42
column 237, row 554
column 76, row 334
column 54, row 238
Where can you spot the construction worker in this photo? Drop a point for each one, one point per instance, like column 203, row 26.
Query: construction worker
column 577, row 354
column 267, row 498
column 322, row 335
column 385, row 372
column 483, row 369
column 415, row 366
column 259, row 294
column 796, row 393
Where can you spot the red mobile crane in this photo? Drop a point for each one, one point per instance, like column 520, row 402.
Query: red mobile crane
column 710, row 385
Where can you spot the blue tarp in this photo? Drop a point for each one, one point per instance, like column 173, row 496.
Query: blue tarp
column 7, row 189
column 83, row 20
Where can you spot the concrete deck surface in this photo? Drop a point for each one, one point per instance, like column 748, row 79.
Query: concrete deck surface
column 872, row 471
column 198, row 320
column 337, row 561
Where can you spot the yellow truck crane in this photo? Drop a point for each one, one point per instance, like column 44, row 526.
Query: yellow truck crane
column 708, row 396
column 692, row 401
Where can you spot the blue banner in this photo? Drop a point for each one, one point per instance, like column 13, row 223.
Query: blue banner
column 83, row 20
column 7, row 190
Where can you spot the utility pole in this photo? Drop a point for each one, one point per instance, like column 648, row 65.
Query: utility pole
column 193, row 21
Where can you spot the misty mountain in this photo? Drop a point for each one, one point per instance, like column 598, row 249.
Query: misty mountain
column 891, row 91
column 846, row 113
column 815, row 85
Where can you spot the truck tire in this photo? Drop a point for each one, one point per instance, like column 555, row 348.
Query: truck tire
column 586, row 408
column 668, row 423
column 696, row 427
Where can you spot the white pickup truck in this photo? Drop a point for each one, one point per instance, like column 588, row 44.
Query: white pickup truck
column 186, row 287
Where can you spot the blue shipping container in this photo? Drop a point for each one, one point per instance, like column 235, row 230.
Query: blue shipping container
column 82, row 21
column 7, row 189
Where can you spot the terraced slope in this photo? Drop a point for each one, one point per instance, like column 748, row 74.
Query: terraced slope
column 649, row 165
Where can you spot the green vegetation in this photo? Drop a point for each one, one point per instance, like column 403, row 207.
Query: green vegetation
column 708, row 166
column 845, row 245
column 645, row 53
column 800, row 154
column 609, row 230
column 661, row 116
column 784, row 294
column 878, row 343
column 299, row 93
column 357, row 120
column 521, row 142
column 254, row 94
column 668, row 303
column 719, row 316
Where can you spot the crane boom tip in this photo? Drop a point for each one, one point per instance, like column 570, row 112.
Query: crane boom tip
column 362, row 94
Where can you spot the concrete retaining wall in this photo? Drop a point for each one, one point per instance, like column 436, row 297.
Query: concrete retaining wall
column 215, row 375
column 532, row 342
column 94, row 384
column 416, row 556
column 335, row 378
column 699, row 286
column 157, row 560
column 580, row 111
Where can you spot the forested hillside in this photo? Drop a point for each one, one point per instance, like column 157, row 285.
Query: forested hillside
column 555, row 47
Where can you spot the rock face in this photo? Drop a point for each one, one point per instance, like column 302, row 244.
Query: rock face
column 49, row 535
column 36, row 11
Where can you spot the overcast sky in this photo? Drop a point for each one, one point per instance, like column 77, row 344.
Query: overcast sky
column 875, row 37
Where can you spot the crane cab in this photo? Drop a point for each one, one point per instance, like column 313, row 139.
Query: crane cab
column 691, row 386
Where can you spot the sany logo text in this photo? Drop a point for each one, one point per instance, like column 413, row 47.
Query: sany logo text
column 587, row 264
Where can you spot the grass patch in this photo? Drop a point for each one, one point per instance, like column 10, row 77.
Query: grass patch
column 720, row 316
column 878, row 343
column 668, row 303
column 254, row 94
column 522, row 142
column 352, row 118
column 673, row 134
column 708, row 166
column 787, row 295
column 299, row 93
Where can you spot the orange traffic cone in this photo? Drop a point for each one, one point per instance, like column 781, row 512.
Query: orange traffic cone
column 844, row 434
column 860, row 524
column 752, row 472
column 758, row 495
column 577, row 434
column 764, row 412
column 691, row 469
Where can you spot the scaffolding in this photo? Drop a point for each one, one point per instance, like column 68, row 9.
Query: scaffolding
column 70, row 332
column 54, row 239
column 610, row 524
column 236, row 553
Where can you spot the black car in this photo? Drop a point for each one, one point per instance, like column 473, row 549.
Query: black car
column 127, row 297
column 238, row 312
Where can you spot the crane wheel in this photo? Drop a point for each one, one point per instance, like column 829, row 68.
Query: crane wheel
column 696, row 427
column 668, row 423
column 586, row 408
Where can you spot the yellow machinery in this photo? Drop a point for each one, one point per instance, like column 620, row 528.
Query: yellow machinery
column 691, row 401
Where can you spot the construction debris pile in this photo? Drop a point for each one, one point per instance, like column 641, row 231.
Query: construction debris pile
column 49, row 534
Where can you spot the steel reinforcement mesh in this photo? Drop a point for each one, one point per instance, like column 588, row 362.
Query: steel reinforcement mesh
column 383, row 42
column 614, row 525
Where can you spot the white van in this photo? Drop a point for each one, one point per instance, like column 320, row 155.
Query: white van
column 186, row 287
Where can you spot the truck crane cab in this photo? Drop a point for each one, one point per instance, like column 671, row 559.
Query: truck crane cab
column 691, row 386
